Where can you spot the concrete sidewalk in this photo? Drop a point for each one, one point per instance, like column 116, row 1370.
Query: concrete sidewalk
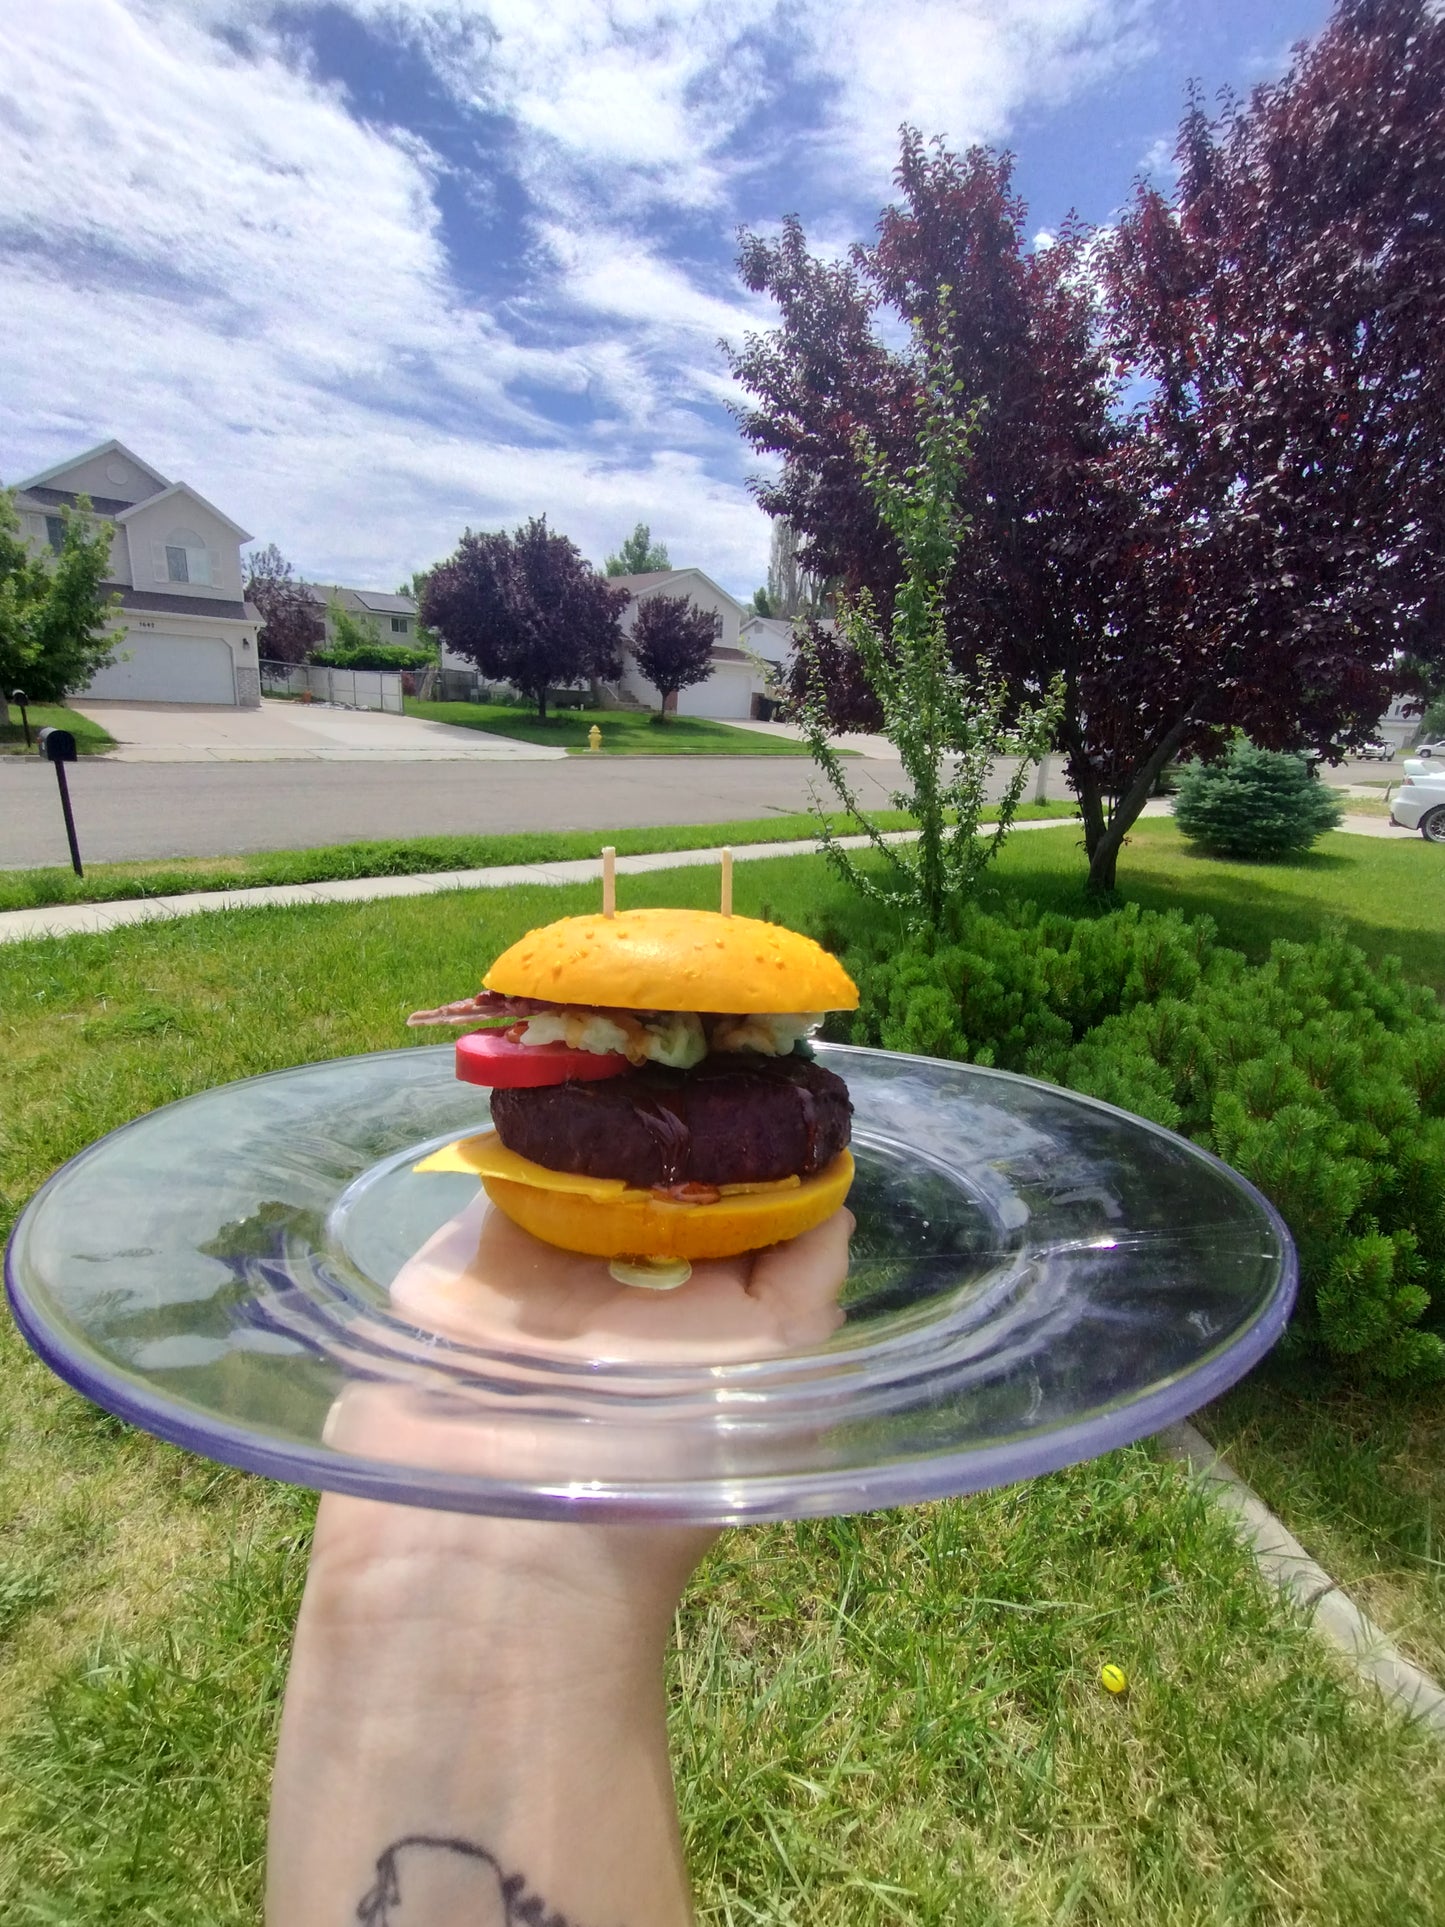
column 75, row 919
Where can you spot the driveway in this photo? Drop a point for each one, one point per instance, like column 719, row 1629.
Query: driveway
column 294, row 732
column 878, row 749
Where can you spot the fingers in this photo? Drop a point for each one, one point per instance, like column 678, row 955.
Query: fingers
column 808, row 1269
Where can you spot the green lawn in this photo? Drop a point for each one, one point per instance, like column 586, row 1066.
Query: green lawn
column 1387, row 895
column 170, row 876
column 625, row 732
column 1361, row 1481
column 90, row 738
column 881, row 1720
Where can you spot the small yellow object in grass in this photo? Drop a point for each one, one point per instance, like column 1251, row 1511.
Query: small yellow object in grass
column 1113, row 1678
column 594, row 738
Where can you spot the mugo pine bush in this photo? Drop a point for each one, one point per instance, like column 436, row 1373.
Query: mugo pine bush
column 1255, row 803
column 1320, row 1078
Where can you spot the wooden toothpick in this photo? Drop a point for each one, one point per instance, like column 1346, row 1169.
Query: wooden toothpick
column 727, row 883
column 609, row 881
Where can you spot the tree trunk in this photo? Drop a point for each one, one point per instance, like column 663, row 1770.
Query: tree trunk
column 542, row 705
column 1104, row 856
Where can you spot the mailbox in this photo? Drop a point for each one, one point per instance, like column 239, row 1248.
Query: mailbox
column 56, row 745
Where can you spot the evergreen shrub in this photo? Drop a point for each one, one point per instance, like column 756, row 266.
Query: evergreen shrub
column 1254, row 803
column 1321, row 1078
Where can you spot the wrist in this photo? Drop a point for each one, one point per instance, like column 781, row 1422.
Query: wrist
column 511, row 1607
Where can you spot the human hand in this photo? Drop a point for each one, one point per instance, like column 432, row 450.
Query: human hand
column 484, row 1282
column 474, row 1714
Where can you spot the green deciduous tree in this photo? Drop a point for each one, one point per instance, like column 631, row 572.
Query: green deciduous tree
column 53, row 607
column 948, row 725
column 350, row 633
column 639, row 554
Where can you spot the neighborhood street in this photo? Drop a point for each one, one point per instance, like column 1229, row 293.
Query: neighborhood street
column 140, row 810
column 125, row 810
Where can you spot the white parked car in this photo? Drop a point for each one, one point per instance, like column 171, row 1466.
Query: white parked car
column 1376, row 752
column 1419, row 803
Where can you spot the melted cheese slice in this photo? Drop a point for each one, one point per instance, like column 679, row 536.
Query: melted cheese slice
column 485, row 1156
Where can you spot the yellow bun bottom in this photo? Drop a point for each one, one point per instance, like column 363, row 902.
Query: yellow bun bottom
column 637, row 1225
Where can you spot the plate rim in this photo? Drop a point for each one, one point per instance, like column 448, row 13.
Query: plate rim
column 757, row 1498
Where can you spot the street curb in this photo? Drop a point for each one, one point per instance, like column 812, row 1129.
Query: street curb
column 1283, row 1561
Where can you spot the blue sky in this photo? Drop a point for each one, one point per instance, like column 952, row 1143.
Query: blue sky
column 372, row 271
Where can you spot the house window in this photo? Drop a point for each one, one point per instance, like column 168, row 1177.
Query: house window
column 187, row 558
column 398, row 625
column 55, row 532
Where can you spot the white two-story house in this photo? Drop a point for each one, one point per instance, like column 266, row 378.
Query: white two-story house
column 185, row 633
column 736, row 685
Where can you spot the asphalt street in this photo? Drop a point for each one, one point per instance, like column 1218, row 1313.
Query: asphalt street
column 139, row 810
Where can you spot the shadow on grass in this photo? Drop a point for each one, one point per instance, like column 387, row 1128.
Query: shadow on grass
column 1377, row 892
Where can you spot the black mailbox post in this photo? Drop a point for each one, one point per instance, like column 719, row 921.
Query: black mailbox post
column 58, row 746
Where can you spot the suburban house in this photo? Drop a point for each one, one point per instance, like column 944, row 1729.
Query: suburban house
column 186, row 633
column 393, row 618
column 770, row 639
column 737, row 686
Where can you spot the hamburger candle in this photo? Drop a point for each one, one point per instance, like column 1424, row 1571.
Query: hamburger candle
column 654, row 1095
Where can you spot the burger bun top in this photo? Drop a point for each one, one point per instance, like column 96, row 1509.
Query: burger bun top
column 673, row 960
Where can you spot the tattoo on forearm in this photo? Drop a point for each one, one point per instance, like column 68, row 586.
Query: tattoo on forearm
column 409, row 1873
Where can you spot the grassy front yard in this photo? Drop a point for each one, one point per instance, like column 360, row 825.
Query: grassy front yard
column 411, row 856
column 90, row 738
column 625, row 732
column 887, row 1719
column 1387, row 895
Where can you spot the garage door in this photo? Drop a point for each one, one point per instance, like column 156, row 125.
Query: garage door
column 726, row 693
column 168, row 669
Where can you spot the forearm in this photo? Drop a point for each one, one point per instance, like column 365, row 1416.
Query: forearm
column 451, row 1751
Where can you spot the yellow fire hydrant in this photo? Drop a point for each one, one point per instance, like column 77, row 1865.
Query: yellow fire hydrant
column 594, row 738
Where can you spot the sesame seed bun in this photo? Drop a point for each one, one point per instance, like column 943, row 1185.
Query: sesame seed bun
column 673, row 960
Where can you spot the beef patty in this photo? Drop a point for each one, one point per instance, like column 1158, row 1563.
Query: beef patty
column 737, row 1118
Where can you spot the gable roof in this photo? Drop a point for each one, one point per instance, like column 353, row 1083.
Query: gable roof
column 192, row 494
column 363, row 601
column 112, row 447
column 69, row 498
column 638, row 585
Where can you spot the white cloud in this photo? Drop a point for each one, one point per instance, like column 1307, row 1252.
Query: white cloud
column 658, row 89
column 958, row 68
column 207, row 252
column 252, row 289
column 1157, row 160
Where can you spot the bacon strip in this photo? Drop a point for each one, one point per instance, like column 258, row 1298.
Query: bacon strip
column 689, row 1192
column 490, row 1004
column 473, row 1010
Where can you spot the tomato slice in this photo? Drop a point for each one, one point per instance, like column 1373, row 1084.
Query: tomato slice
column 490, row 1057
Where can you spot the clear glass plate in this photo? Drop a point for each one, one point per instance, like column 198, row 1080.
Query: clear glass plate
column 1036, row 1277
